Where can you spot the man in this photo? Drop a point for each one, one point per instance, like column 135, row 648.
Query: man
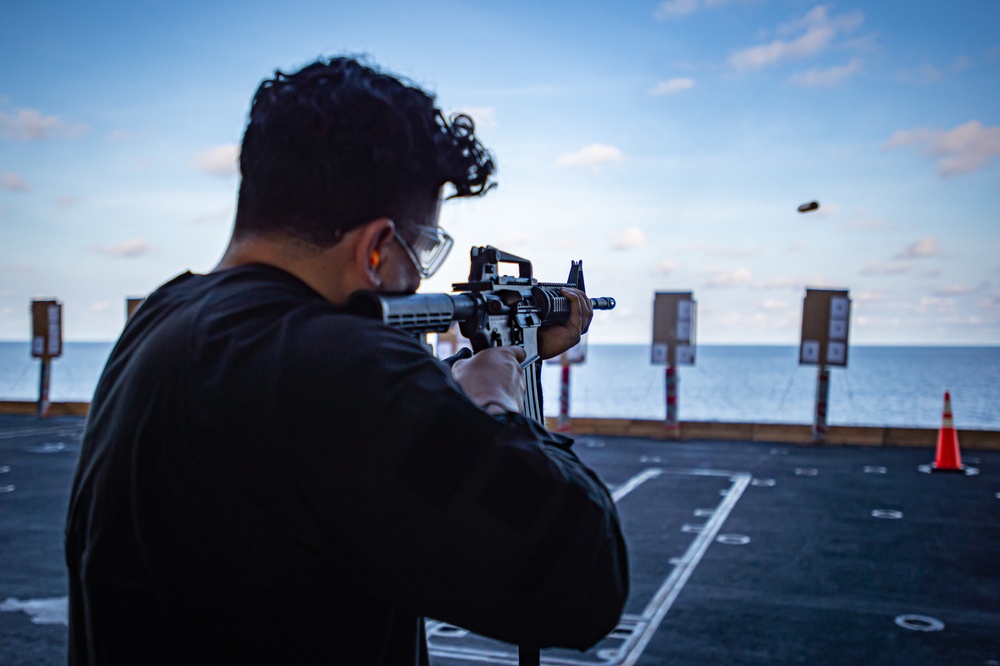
column 265, row 478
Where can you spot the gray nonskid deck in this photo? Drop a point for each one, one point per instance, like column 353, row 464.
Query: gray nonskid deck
column 742, row 553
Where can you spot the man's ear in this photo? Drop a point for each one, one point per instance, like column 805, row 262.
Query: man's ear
column 369, row 248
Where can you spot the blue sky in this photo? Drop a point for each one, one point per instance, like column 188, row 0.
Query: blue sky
column 667, row 144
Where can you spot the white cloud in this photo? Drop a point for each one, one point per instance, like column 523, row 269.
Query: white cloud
column 818, row 17
column 666, row 267
column 990, row 302
column 745, row 320
column 830, row 76
column 927, row 73
column 220, row 215
column 128, row 250
column 953, row 290
column 671, row 87
column 669, row 9
column 862, row 222
column 921, row 249
column 964, row 149
column 868, row 296
column 820, row 31
column 221, row 161
column 592, row 156
column 629, row 239
column 725, row 279
column 780, row 283
column 482, row 116
column 12, row 182
column 128, row 136
column 67, row 201
column 513, row 241
column 727, row 252
column 31, row 125
column 879, row 268
column 775, row 305
column 936, row 304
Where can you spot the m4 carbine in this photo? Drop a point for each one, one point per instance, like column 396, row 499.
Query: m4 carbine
column 492, row 310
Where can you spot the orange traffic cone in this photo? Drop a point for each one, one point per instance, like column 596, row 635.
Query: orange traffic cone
column 948, row 458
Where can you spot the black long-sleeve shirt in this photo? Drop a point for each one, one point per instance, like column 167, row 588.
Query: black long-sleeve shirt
column 264, row 477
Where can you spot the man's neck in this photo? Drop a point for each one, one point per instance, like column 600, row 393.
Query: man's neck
column 323, row 269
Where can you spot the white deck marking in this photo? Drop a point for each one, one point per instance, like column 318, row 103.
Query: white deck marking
column 42, row 430
column 634, row 631
column 657, row 608
column 633, row 483
column 53, row 610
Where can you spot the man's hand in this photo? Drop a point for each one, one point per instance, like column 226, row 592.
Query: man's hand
column 493, row 378
column 554, row 340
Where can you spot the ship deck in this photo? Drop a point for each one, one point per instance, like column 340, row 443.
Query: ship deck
column 741, row 553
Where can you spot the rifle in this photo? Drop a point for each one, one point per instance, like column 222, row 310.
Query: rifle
column 492, row 310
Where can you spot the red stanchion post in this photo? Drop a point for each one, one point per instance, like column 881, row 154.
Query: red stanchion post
column 564, row 423
column 672, row 424
column 44, row 404
column 819, row 429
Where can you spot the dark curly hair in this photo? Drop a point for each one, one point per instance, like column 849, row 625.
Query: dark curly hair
column 338, row 144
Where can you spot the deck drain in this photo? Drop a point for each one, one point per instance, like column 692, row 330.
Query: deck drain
column 887, row 513
column 875, row 469
column 6, row 489
column 919, row 623
column 968, row 471
column 6, row 468
column 806, row 471
column 733, row 539
column 47, row 447
column 762, row 482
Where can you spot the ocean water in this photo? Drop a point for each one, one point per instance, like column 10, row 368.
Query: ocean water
column 74, row 374
column 882, row 386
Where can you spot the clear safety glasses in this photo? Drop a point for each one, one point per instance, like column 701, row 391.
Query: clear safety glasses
column 428, row 250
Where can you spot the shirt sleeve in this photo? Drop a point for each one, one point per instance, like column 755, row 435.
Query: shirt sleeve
column 490, row 523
